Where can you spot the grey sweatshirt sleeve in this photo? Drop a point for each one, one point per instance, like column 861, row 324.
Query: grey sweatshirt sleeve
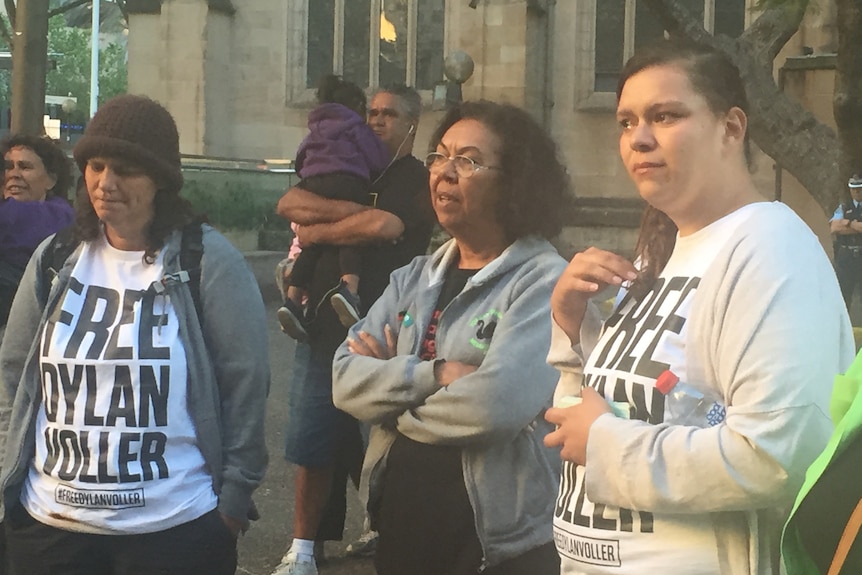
column 375, row 390
column 768, row 333
column 511, row 387
column 21, row 329
column 234, row 325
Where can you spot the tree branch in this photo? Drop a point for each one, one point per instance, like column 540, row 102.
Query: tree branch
column 779, row 125
column 5, row 34
column 678, row 21
column 847, row 97
column 788, row 133
column 773, row 28
column 67, row 7
column 121, row 4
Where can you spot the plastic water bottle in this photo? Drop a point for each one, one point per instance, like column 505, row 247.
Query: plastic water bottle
column 685, row 405
column 620, row 408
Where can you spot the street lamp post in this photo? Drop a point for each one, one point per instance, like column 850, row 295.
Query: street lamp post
column 94, row 61
column 458, row 67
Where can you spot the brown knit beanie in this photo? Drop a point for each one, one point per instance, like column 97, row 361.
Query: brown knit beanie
column 136, row 129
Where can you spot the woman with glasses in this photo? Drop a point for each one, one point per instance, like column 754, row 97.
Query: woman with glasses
column 448, row 366
column 36, row 177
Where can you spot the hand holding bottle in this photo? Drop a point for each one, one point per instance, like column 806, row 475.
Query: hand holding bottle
column 573, row 425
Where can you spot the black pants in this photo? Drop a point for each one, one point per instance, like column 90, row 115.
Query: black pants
column 3, row 568
column 338, row 186
column 7, row 294
column 10, row 277
column 348, row 464
column 848, row 268
column 426, row 522
column 204, row 545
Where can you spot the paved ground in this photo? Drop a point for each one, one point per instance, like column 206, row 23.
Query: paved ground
column 262, row 547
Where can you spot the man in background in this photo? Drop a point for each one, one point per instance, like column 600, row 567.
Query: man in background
column 324, row 442
column 846, row 227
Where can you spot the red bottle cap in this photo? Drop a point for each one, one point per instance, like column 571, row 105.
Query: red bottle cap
column 666, row 381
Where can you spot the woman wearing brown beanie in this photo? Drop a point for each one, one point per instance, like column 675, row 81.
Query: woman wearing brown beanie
column 131, row 407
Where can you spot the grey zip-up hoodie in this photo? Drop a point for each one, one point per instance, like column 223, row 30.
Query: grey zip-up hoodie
column 228, row 369
column 499, row 322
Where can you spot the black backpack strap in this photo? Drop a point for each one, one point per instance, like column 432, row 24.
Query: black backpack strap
column 191, row 253
column 64, row 243
column 10, row 277
column 55, row 255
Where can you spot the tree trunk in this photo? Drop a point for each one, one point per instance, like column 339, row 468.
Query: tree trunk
column 29, row 65
column 847, row 99
column 780, row 126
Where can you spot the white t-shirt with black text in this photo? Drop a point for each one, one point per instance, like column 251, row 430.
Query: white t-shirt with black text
column 116, row 451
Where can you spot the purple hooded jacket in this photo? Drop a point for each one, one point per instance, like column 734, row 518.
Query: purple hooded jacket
column 23, row 225
column 339, row 140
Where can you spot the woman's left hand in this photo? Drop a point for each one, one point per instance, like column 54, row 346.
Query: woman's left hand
column 368, row 345
column 573, row 425
column 235, row 526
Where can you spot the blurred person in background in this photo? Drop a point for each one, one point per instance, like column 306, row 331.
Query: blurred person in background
column 392, row 227
column 36, row 180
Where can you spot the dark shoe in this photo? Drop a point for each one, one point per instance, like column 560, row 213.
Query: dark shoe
column 290, row 317
column 346, row 305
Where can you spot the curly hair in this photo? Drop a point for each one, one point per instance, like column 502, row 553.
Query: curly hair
column 535, row 191
column 54, row 159
column 715, row 78
column 170, row 212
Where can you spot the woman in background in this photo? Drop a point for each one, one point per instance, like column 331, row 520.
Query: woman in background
column 448, row 365
column 36, row 179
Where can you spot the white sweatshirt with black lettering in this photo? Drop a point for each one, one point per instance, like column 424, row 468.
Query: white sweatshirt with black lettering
column 748, row 312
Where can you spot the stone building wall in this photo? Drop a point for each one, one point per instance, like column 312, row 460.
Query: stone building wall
column 236, row 83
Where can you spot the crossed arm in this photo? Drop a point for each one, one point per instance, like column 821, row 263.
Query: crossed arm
column 337, row 222
column 845, row 227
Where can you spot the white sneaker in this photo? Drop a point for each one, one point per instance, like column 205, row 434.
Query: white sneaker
column 291, row 565
column 365, row 546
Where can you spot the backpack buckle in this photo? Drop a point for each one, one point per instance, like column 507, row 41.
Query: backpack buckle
column 181, row 276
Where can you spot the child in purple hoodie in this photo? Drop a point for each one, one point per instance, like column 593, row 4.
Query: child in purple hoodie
column 336, row 160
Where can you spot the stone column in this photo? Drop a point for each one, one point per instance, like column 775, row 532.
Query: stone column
column 509, row 41
column 179, row 54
